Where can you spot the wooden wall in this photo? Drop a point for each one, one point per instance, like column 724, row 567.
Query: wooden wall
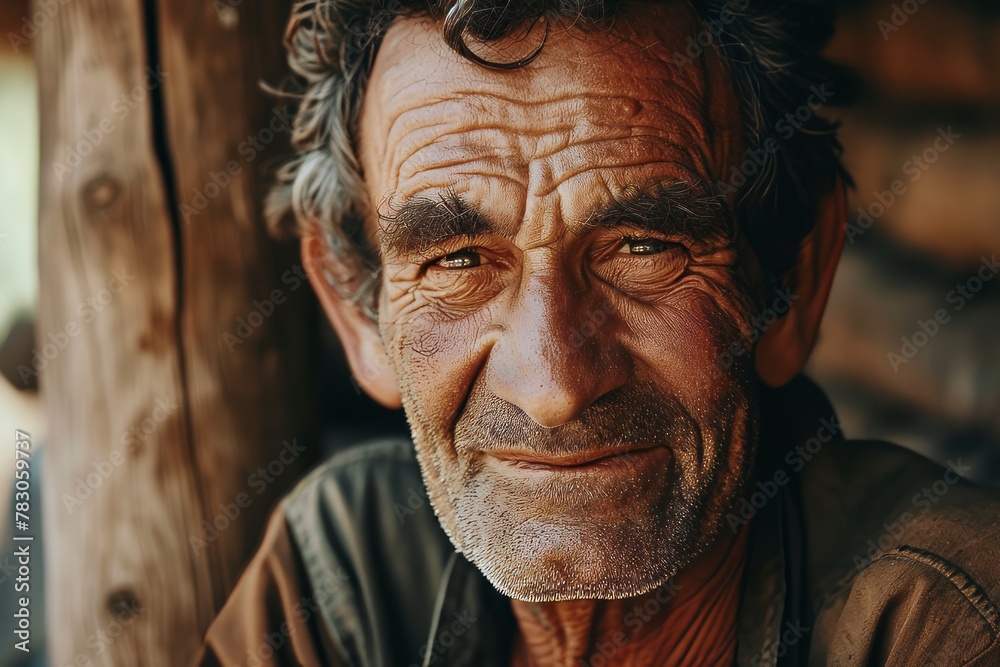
column 152, row 253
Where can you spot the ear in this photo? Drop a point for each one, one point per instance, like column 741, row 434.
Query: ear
column 358, row 334
column 785, row 346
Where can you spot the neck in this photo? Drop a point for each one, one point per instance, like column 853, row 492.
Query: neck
column 690, row 620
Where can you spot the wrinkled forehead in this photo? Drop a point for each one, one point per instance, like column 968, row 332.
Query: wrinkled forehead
column 627, row 97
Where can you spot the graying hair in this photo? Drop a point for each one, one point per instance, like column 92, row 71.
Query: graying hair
column 771, row 46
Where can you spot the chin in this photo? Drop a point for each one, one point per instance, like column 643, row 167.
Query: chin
column 582, row 569
column 526, row 587
column 607, row 551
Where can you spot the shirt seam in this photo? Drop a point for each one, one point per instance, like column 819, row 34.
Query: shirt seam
column 970, row 589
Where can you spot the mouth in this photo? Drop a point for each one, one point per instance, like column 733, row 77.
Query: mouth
column 577, row 461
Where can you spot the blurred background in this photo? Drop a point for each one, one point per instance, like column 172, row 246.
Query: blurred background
column 931, row 69
column 909, row 350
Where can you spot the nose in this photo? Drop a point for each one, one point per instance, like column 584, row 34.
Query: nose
column 558, row 352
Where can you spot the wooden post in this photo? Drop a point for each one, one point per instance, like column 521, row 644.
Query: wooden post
column 172, row 331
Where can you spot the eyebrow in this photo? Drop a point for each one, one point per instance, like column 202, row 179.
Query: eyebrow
column 420, row 223
column 674, row 209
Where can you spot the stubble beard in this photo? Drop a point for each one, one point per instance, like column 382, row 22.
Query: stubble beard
column 553, row 539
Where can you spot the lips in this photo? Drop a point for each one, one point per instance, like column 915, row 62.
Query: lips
column 568, row 462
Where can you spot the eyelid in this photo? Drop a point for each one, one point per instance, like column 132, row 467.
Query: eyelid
column 434, row 252
column 628, row 230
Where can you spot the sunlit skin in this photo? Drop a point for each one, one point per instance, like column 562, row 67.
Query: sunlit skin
column 557, row 288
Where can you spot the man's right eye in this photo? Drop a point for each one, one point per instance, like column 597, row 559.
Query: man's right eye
column 466, row 258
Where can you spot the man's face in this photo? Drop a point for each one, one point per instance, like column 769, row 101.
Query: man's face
column 557, row 290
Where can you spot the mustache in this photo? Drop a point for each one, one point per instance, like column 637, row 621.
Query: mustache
column 633, row 415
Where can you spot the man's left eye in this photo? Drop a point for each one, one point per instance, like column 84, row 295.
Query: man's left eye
column 646, row 246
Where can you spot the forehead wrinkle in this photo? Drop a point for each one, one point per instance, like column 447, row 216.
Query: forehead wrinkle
column 422, row 116
column 543, row 224
column 456, row 148
column 557, row 104
column 493, row 147
column 583, row 117
column 458, row 169
column 500, row 142
column 643, row 152
column 552, row 156
column 440, row 179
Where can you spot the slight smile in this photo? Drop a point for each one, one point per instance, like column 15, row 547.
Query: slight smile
column 575, row 461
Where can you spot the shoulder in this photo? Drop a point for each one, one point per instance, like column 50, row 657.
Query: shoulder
column 356, row 553
column 903, row 553
column 364, row 477
column 367, row 506
column 874, row 496
column 365, row 512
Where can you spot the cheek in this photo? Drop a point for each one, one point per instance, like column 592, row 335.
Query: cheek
column 436, row 361
column 686, row 338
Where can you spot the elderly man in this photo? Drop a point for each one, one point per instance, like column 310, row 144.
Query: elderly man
column 586, row 246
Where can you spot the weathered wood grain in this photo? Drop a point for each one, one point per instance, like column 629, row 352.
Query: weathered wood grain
column 157, row 424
